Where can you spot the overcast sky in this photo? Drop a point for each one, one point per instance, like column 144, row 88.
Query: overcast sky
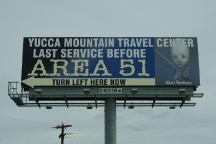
column 146, row 18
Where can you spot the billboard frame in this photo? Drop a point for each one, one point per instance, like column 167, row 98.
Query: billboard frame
column 25, row 99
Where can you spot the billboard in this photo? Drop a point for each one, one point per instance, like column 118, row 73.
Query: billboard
column 109, row 61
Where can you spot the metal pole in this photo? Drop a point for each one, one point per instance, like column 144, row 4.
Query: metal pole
column 110, row 121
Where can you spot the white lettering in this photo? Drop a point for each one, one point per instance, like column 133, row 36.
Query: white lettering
column 101, row 67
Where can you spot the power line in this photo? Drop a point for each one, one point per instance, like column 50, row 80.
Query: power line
column 23, row 122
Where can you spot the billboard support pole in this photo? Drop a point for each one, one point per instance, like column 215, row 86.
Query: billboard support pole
column 110, row 121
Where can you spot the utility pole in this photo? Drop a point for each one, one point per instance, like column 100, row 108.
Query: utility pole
column 62, row 134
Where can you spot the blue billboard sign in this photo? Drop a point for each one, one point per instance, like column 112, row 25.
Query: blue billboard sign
column 109, row 61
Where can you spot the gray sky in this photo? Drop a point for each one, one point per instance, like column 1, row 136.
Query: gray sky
column 185, row 18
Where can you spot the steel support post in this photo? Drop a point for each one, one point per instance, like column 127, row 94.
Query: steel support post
column 110, row 121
